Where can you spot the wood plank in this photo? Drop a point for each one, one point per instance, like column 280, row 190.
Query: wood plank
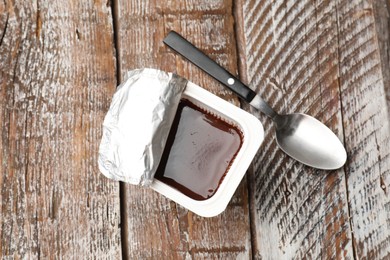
column 366, row 127
column 297, row 212
column 154, row 226
column 382, row 26
column 57, row 76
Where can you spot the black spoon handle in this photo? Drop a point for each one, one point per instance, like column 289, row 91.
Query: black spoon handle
column 189, row 51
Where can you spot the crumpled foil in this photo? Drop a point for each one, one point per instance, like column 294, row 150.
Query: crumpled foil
column 137, row 125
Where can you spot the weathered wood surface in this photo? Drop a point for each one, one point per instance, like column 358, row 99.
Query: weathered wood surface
column 154, row 226
column 366, row 128
column 57, row 76
column 60, row 62
column 297, row 211
column 325, row 57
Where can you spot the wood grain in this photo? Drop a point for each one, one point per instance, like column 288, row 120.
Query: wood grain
column 57, row 75
column 325, row 57
column 297, row 211
column 381, row 9
column 60, row 63
column 367, row 129
column 155, row 227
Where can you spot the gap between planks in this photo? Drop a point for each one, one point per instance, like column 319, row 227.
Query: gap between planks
column 114, row 11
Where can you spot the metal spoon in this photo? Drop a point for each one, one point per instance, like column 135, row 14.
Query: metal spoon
column 301, row 136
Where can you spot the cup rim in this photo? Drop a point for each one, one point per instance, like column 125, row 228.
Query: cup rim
column 253, row 136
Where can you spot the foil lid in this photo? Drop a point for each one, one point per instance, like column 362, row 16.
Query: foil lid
column 137, row 125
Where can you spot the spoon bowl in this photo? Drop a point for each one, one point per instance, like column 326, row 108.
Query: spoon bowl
column 309, row 141
column 301, row 136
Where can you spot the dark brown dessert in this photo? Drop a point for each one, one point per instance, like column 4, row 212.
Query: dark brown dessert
column 199, row 151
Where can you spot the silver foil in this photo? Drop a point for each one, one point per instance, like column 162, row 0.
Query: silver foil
column 137, row 125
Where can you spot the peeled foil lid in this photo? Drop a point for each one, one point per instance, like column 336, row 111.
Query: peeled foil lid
column 137, row 125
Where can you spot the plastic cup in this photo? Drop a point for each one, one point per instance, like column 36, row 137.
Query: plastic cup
column 253, row 135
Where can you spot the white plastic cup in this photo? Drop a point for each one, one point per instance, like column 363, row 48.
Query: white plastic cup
column 253, row 135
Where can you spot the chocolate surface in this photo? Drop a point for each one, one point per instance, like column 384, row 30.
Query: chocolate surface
column 200, row 149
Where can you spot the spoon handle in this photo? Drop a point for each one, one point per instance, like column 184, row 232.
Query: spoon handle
column 193, row 54
column 189, row 51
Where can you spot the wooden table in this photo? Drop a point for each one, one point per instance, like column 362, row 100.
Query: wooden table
column 60, row 62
